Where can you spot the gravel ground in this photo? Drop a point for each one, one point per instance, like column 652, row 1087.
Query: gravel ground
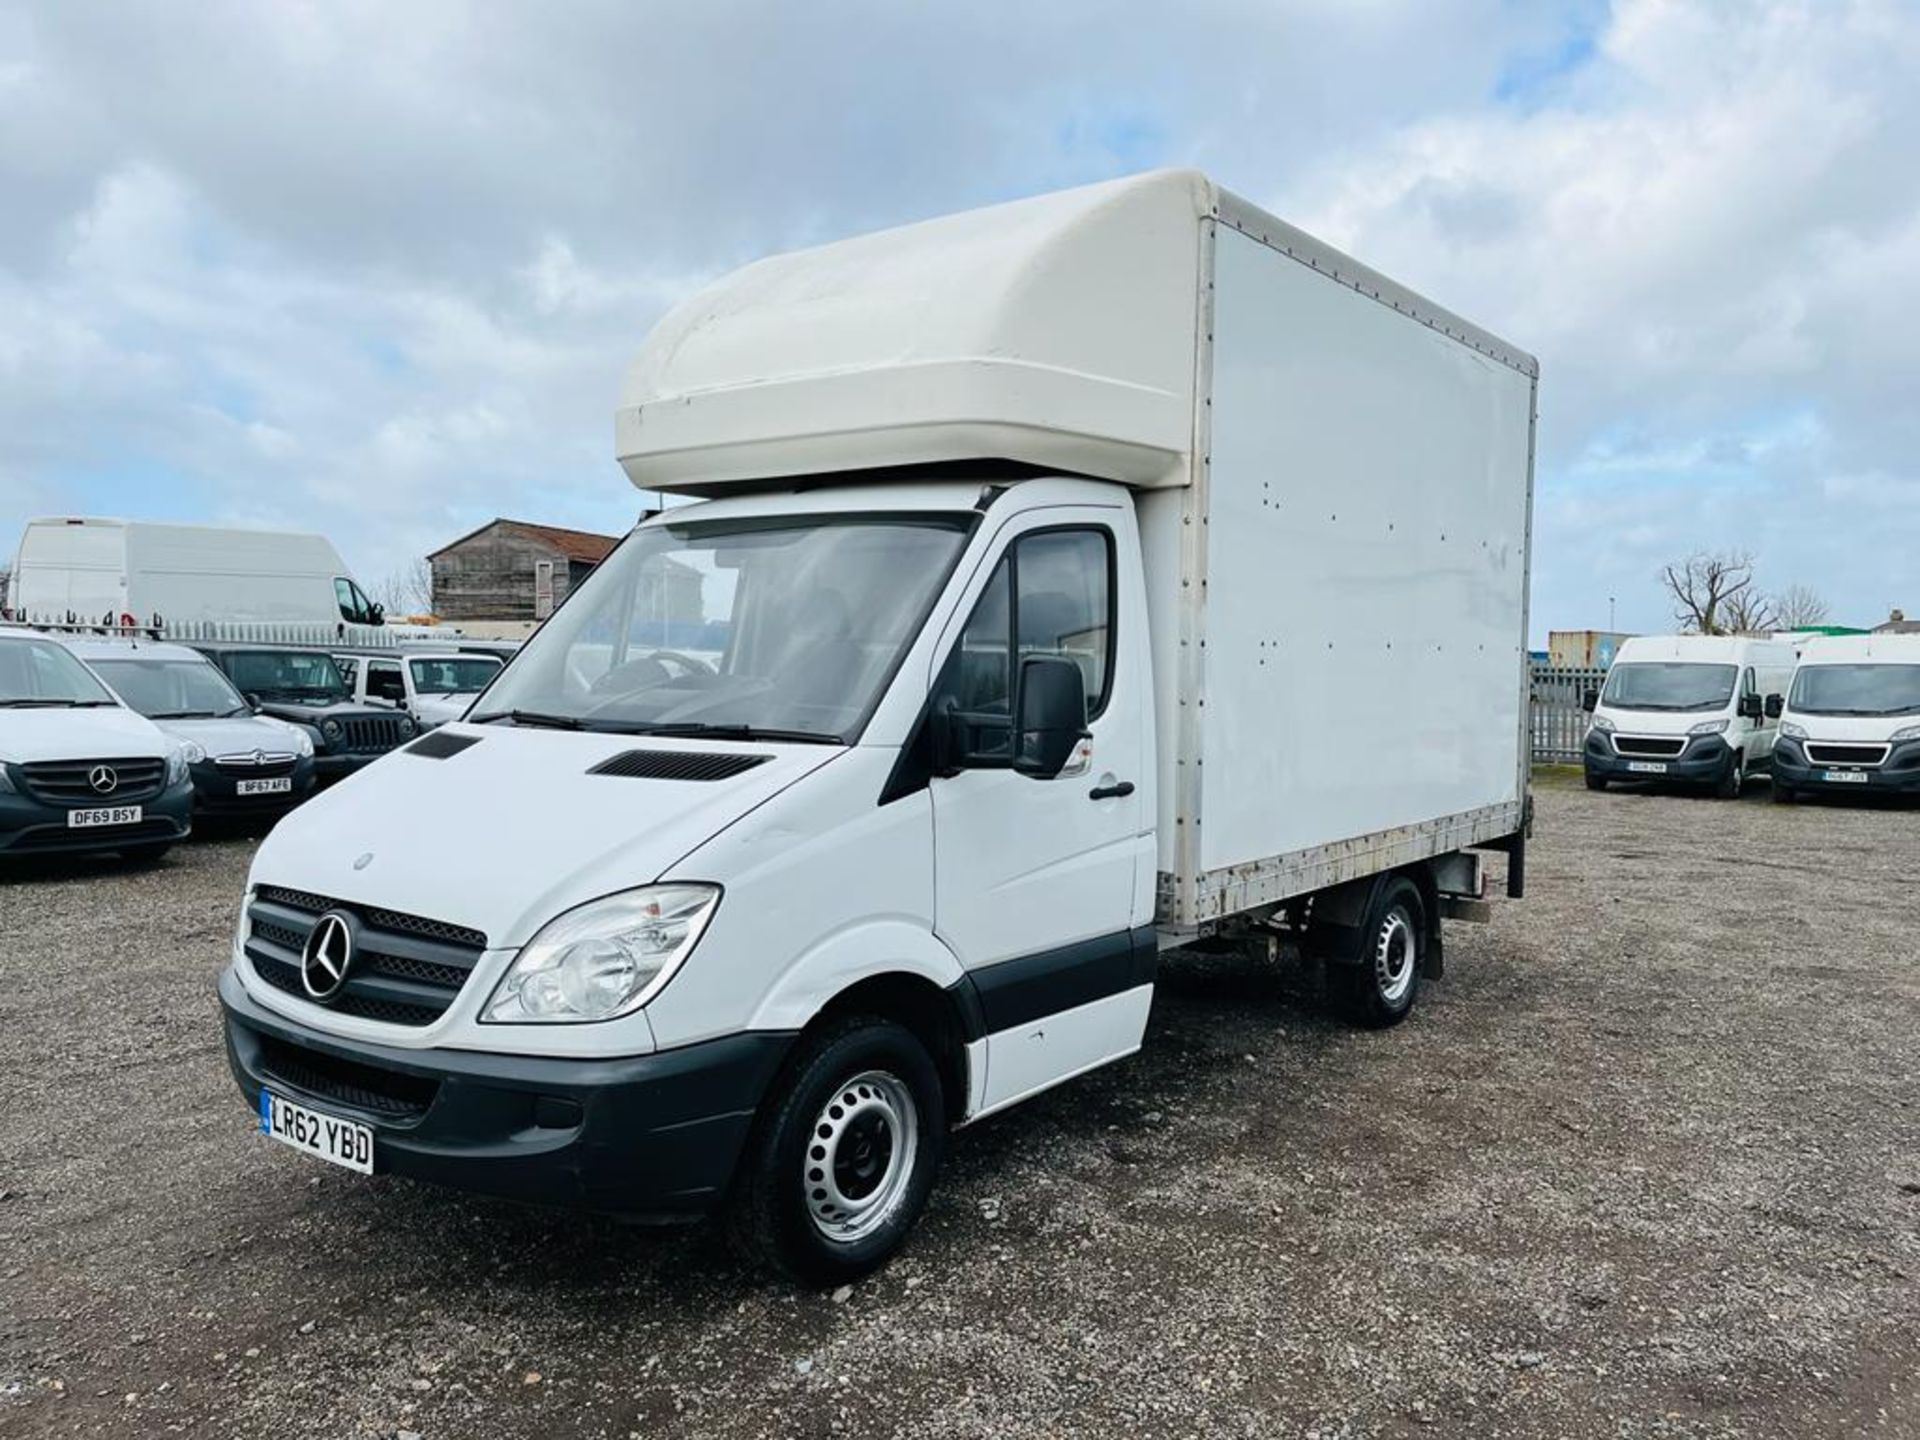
column 1647, row 1163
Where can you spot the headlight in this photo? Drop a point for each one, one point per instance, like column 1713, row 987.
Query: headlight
column 330, row 731
column 180, row 757
column 605, row 958
column 1709, row 727
column 1908, row 732
column 1603, row 725
column 302, row 741
column 407, row 727
column 1793, row 731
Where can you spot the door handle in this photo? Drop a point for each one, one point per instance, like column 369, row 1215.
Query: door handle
column 1111, row 792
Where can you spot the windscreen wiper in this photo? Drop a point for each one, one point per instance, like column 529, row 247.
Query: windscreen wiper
column 36, row 703
column 698, row 729
column 532, row 718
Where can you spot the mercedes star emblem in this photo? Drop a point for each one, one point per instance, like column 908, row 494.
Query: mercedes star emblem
column 328, row 953
column 103, row 780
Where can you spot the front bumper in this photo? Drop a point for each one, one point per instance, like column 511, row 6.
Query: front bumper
column 29, row 826
column 1899, row 774
column 653, row 1137
column 1704, row 761
column 216, row 790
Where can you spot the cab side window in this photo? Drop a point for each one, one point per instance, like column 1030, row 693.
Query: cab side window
column 1051, row 594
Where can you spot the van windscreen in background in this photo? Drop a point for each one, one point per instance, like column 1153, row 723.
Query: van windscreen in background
column 1857, row 690
column 462, row 675
column 1669, row 685
column 172, row 689
column 37, row 674
column 785, row 628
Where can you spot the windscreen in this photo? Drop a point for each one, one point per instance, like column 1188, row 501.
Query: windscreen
column 788, row 628
column 302, row 675
column 453, row 676
column 43, row 674
column 1857, row 690
column 1672, row 685
column 172, row 689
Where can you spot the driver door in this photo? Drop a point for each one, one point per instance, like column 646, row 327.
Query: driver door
column 1034, row 879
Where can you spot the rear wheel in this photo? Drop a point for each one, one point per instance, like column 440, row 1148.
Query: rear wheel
column 1381, row 989
column 844, row 1154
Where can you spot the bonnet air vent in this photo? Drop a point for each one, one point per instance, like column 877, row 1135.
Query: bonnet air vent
column 677, row 765
column 438, row 745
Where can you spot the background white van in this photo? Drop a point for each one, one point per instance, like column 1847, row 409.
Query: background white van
column 1851, row 722
column 1687, row 708
column 87, row 569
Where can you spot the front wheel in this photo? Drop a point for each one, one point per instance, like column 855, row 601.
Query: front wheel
column 1596, row 782
column 1728, row 787
column 1783, row 794
column 150, row 854
column 1381, row 989
column 844, row 1154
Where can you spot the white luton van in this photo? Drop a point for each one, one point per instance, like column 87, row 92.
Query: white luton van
column 1081, row 578
column 137, row 573
column 1688, row 709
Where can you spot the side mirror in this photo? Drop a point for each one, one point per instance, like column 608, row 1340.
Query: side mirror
column 1776, row 706
column 1050, row 715
column 1750, row 706
column 376, row 613
column 253, row 701
column 1590, row 701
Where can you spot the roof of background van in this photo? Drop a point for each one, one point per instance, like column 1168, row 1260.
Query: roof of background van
column 1892, row 649
column 1701, row 649
column 102, row 647
column 1058, row 332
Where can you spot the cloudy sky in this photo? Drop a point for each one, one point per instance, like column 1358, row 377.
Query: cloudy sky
column 375, row 269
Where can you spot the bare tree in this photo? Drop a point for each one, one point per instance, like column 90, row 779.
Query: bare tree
column 1746, row 612
column 407, row 591
column 1712, row 591
column 1797, row 607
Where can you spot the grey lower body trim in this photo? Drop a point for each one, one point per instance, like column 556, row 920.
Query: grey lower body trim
column 1231, row 889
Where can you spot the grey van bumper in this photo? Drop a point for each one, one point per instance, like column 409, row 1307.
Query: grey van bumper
column 651, row 1137
column 34, row 827
column 1703, row 761
column 1899, row 774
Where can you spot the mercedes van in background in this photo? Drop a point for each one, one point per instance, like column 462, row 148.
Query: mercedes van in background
column 1851, row 722
column 1687, row 708
column 138, row 573
column 1086, row 577
column 78, row 769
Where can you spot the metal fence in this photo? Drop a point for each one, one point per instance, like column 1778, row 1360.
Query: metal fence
column 245, row 632
column 1559, row 719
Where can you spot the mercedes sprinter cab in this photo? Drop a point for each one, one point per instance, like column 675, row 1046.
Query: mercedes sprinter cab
column 243, row 763
column 1851, row 722
column 1010, row 640
column 1690, row 709
column 79, row 770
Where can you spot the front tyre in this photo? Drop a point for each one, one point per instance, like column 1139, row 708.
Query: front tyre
column 1381, row 989
column 141, row 856
column 1728, row 787
column 1783, row 794
column 1596, row 782
column 844, row 1153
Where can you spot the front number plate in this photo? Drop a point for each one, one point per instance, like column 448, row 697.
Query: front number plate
column 281, row 785
column 1846, row 777
column 340, row 1142
column 111, row 815
column 1647, row 767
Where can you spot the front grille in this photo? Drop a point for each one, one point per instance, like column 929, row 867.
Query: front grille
column 346, row 1082
column 1824, row 754
column 677, row 765
column 405, row 969
column 70, row 782
column 1664, row 748
column 248, row 768
column 371, row 734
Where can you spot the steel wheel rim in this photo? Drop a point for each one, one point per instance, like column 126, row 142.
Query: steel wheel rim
column 860, row 1156
column 1395, row 953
